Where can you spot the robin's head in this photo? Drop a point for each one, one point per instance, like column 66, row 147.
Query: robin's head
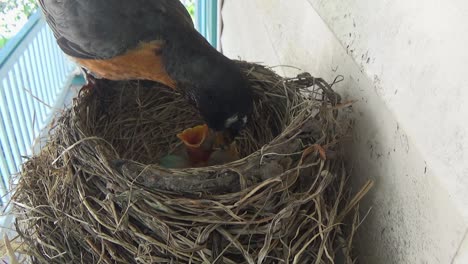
column 225, row 102
column 215, row 84
column 224, row 99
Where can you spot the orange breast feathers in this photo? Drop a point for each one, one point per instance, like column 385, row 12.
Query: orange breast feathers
column 141, row 63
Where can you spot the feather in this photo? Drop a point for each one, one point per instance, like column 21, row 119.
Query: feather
column 92, row 29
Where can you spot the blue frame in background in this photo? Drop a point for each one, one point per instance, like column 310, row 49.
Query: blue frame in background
column 207, row 20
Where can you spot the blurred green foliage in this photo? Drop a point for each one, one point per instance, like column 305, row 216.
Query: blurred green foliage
column 26, row 7
column 3, row 41
column 191, row 9
column 13, row 12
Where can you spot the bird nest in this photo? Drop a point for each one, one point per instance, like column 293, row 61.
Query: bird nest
column 96, row 194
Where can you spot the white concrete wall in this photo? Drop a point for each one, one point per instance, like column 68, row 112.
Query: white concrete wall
column 406, row 63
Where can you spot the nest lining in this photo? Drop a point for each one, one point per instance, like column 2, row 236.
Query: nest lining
column 95, row 193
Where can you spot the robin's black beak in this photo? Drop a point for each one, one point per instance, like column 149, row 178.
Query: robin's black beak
column 232, row 127
column 225, row 138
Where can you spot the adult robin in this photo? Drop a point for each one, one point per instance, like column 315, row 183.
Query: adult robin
column 152, row 40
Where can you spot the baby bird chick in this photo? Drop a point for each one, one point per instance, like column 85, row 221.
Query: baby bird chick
column 202, row 147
